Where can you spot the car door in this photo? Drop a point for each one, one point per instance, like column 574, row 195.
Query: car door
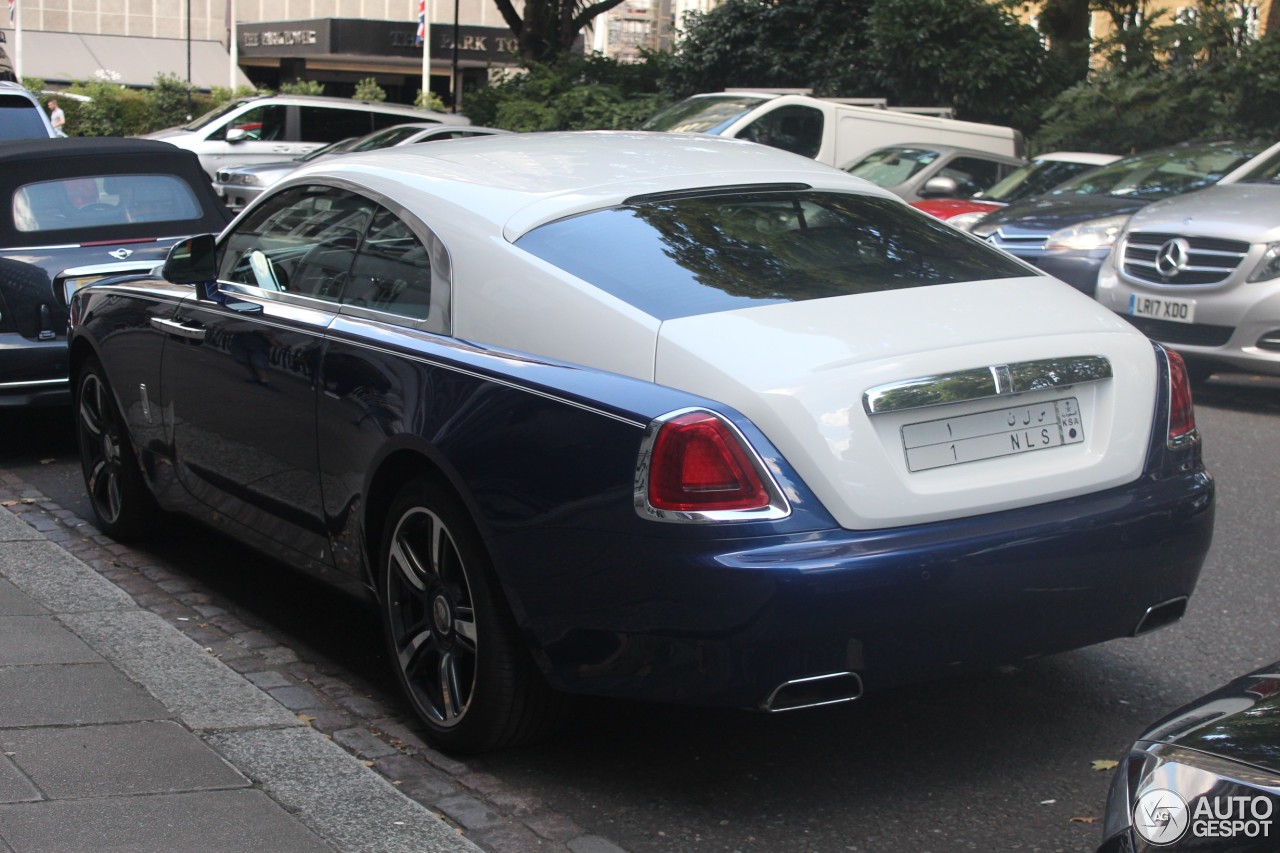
column 240, row 374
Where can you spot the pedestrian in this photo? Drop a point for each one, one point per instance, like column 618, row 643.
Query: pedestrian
column 57, row 117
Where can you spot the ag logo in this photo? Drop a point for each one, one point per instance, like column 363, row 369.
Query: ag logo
column 1161, row 816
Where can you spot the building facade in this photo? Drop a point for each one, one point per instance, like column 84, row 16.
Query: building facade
column 334, row 42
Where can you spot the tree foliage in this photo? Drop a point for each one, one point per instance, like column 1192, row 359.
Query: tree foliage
column 580, row 93
column 369, row 90
column 821, row 45
column 1193, row 78
column 548, row 29
column 302, row 87
column 972, row 55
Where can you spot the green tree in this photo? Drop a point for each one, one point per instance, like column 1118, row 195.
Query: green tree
column 1065, row 23
column 428, row 101
column 369, row 90
column 821, row 45
column 302, row 87
column 547, row 29
column 581, row 93
column 972, row 55
column 171, row 101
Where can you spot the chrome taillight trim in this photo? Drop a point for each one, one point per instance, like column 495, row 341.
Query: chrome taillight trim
column 779, row 506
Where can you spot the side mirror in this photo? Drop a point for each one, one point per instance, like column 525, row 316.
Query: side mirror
column 193, row 261
column 236, row 134
column 940, row 186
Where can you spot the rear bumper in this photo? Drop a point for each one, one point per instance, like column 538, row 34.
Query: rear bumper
column 727, row 622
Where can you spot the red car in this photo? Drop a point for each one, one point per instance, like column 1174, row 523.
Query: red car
column 1042, row 174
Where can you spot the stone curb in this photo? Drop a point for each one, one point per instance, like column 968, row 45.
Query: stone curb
column 483, row 810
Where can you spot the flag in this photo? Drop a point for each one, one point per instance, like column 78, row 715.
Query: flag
column 422, row 21
column 13, row 10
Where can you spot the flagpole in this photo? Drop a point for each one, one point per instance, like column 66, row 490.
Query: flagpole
column 424, row 8
column 17, row 39
column 233, row 44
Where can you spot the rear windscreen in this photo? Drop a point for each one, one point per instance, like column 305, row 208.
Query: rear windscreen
column 703, row 254
column 103, row 202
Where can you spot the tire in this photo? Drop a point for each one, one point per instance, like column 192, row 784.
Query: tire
column 122, row 505
column 451, row 637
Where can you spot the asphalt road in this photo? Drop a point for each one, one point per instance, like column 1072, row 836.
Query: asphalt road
column 1001, row 761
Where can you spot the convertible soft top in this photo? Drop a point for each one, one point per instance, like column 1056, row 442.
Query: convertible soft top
column 36, row 160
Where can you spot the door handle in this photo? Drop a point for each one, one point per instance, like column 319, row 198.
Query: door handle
column 179, row 330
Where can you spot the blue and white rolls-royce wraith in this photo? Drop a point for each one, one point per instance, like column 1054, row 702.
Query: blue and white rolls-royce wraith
column 656, row 416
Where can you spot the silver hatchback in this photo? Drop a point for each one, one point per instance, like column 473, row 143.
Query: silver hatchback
column 1201, row 272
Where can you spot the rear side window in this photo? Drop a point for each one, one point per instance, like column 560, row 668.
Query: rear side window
column 680, row 257
column 20, row 119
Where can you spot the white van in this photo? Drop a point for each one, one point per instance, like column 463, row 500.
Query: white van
column 830, row 131
column 279, row 127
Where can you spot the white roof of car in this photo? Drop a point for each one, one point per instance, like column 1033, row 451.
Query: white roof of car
column 1079, row 157
column 520, row 181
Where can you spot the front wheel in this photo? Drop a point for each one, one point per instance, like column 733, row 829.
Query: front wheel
column 450, row 633
column 121, row 502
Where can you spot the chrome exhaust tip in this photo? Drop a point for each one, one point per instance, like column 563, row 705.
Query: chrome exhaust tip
column 1161, row 615
column 814, row 691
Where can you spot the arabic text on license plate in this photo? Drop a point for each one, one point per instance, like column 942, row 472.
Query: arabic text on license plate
column 987, row 435
column 1162, row 308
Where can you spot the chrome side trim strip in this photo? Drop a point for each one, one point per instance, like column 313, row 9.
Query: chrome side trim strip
column 36, row 383
column 981, row 383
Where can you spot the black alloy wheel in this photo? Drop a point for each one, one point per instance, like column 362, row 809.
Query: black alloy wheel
column 121, row 502
column 450, row 634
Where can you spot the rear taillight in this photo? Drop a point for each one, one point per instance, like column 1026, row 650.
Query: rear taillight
column 698, row 464
column 1182, row 412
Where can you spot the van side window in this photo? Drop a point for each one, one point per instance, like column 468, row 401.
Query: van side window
column 795, row 128
column 331, row 124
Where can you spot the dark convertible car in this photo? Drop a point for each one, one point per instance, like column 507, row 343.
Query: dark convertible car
column 73, row 211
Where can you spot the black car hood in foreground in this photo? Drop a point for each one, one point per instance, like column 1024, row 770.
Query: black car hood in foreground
column 1239, row 722
column 1049, row 213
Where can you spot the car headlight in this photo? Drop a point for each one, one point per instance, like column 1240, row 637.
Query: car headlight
column 248, row 180
column 1269, row 267
column 1084, row 236
column 966, row 221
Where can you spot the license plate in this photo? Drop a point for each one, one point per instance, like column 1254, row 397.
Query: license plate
column 1162, row 308
column 991, row 434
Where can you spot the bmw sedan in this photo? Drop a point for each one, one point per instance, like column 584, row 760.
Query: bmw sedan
column 666, row 417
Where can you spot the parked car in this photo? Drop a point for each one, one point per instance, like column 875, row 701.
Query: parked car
column 1039, row 176
column 1069, row 231
column 648, row 415
column 1205, row 777
column 917, row 171
column 1201, row 273
column 239, row 185
column 75, row 211
column 21, row 116
column 268, row 128
column 830, row 130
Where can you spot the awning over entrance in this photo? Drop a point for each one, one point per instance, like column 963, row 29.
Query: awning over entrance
column 131, row 60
